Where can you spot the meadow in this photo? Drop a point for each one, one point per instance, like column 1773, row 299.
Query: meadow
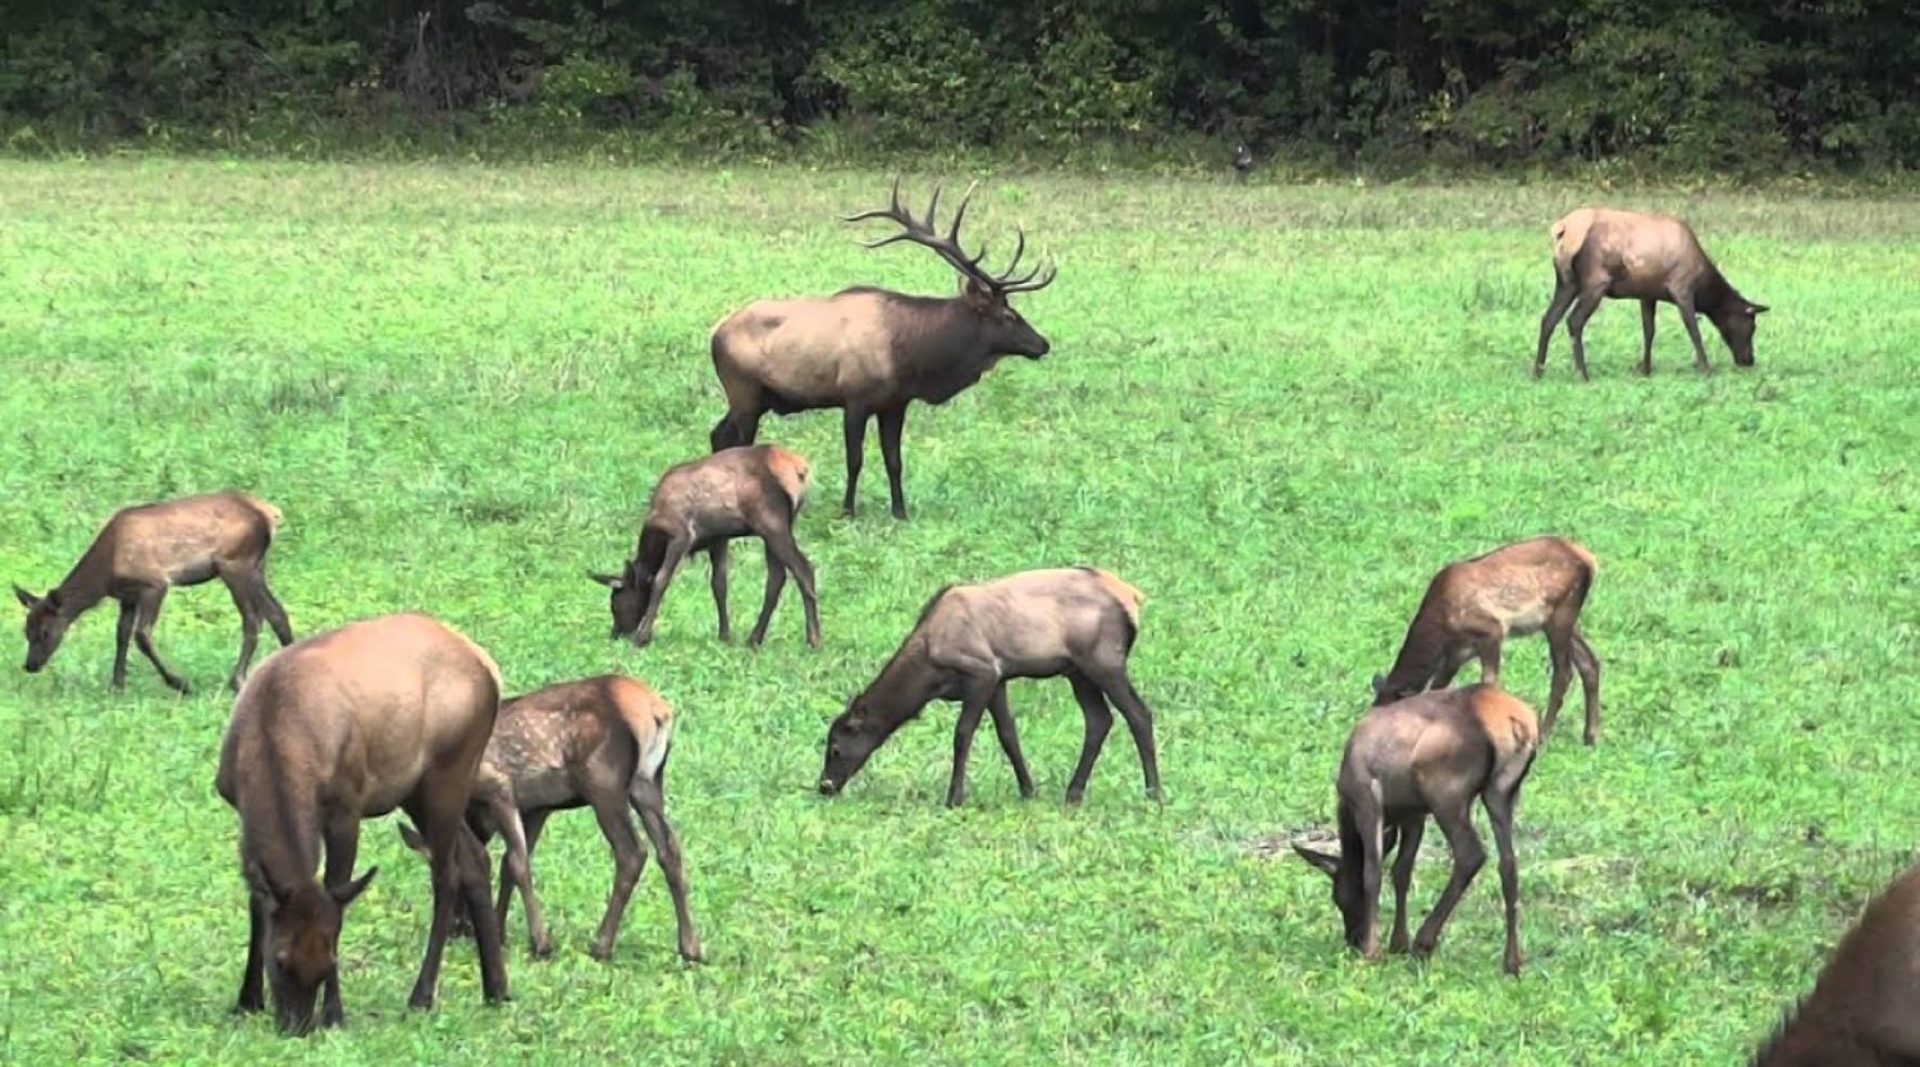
column 1275, row 409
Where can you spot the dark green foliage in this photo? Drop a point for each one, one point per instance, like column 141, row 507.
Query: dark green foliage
column 1695, row 85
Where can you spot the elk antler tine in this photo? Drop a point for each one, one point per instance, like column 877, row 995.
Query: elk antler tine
column 894, row 198
column 1019, row 249
column 953, row 232
column 933, row 209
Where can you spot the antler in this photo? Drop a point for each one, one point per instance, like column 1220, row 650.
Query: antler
column 948, row 247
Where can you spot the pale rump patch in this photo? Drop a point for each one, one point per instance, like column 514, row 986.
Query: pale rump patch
column 1130, row 598
column 656, row 750
column 792, row 471
column 1509, row 724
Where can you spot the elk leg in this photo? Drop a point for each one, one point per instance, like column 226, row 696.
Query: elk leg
column 855, row 429
column 471, row 859
column 1588, row 665
column 1119, row 689
column 248, row 605
column 1411, row 830
column 776, row 581
column 1583, row 310
column 1469, row 855
column 459, row 873
column 1010, row 739
column 1093, row 705
column 270, row 606
column 717, row 557
column 629, row 859
column 1371, row 823
column 145, row 614
column 1563, row 294
column 1560, row 658
column 782, row 546
column 651, row 803
column 971, row 707
column 892, row 422
column 530, row 826
column 676, row 554
column 343, row 848
column 1499, row 804
column 516, row 869
column 1488, row 649
column 252, row 987
column 122, row 637
column 1692, row 323
column 1647, row 310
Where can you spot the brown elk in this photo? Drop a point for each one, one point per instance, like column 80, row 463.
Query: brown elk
column 1428, row 754
column 970, row 639
column 703, row 504
column 598, row 742
column 871, row 352
column 1472, row 606
column 386, row 713
column 1602, row 252
column 1865, row 1007
column 144, row 551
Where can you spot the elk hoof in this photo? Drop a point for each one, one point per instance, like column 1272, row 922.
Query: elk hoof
column 813, row 639
column 601, row 952
column 690, row 951
column 900, row 513
column 250, row 1006
column 541, row 949
column 420, row 1002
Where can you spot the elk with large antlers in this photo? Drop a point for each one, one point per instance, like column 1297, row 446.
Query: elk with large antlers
column 871, row 352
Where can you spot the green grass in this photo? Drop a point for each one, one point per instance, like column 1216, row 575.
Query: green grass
column 1275, row 409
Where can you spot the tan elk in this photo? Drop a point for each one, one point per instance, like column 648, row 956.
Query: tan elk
column 600, row 743
column 970, row 639
column 386, row 713
column 701, row 505
column 1602, row 252
column 871, row 352
column 141, row 553
column 1472, row 606
column 1430, row 754
column 1865, row 1007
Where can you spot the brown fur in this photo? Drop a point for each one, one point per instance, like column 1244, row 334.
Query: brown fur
column 737, row 492
column 1429, row 754
column 1472, row 606
column 141, row 553
column 871, row 352
column 1602, row 252
column 971, row 639
column 1865, row 1007
column 387, row 713
column 601, row 743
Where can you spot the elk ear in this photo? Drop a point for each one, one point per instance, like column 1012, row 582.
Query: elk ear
column 343, row 895
column 1327, row 863
column 611, row 581
column 975, row 293
column 1379, row 684
column 1755, row 309
column 413, row 839
column 26, row 599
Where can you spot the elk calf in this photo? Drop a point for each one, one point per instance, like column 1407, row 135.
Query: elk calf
column 386, row 713
column 871, row 352
column 600, row 743
column 1865, row 1007
column 704, row 504
column 971, row 639
column 1428, row 754
column 1473, row 606
column 1602, row 252
column 144, row 551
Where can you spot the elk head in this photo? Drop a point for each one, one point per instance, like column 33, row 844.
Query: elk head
column 1348, row 893
column 1734, row 320
column 983, row 293
column 303, row 944
column 628, row 600
column 46, row 626
column 850, row 740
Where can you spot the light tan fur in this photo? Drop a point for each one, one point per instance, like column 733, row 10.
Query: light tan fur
column 1029, row 624
column 791, row 470
column 814, row 351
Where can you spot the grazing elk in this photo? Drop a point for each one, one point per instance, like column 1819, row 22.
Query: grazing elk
column 703, row 504
column 970, row 639
column 1472, row 606
column 144, row 551
column 1242, row 161
column 386, row 713
column 1428, row 754
column 600, row 743
column 1865, row 1007
column 871, row 352
column 1602, row 252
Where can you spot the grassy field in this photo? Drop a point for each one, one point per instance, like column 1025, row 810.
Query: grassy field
column 1275, row 409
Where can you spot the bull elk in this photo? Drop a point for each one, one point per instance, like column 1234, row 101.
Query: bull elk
column 141, row 553
column 600, row 743
column 1472, row 606
column 386, row 713
column 1430, row 754
column 702, row 505
column 871, row 352
column 970, row 639
column 1865, row 1007
column 1605, row 253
